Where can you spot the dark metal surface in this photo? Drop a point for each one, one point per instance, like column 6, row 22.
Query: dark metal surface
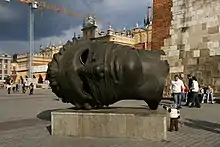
column 96, row 74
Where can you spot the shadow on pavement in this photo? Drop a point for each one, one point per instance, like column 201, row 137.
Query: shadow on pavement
column 49, row 129
column 46, row 115
column 204, row 125
column 217, row 101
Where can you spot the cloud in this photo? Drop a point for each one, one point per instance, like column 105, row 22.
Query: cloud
column 55, row 27
column 12, row 46
column 63, row 38
column 8, row 14
column 23, row 46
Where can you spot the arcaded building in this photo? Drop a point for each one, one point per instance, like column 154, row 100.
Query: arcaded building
column 139, row 36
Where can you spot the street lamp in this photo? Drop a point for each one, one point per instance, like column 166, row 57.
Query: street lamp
column 32, row 5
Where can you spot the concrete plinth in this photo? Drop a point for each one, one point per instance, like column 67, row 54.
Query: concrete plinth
column 135, row 123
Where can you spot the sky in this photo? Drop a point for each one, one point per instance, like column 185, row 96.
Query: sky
column 54, row 28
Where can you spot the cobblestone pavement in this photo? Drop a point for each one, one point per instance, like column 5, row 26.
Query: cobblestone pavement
column 24, row 122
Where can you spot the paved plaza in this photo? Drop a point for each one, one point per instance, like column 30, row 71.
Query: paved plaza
column 25, row 120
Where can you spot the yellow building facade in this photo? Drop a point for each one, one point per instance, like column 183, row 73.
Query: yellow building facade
column 40, row 61
column 139, row 37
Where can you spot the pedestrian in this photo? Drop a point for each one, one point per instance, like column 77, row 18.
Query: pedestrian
column 201, row 94
column 209, row 93
column 181, row 76
column 174, row 117
column 17, row 87
column 186, row 90
column 13, row 88
column 189, row 95
column 23, row 88
column 177, row 88
column 194, row 91
column 31, row 89
column 9, row 88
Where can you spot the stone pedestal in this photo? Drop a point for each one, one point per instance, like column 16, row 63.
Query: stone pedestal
column 135, row 123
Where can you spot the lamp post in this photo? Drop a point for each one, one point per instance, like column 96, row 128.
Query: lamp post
column 148, row 21
column 32, row 5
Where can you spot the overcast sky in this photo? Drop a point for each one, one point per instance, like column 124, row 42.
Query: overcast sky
column 52, row 27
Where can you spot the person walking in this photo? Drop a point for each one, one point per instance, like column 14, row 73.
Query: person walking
column 194, row 92
column 186, row 90
column 31, row 89
column 17, row 87
column 189, row 96
column 201, row 94
column 177, row 88
column 9, row 88
column 23, row 88
column 183, row 98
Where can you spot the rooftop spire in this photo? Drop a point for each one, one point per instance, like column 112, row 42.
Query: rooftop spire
column 147, row 19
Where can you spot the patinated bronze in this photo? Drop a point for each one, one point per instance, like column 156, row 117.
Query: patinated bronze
column 96, row 74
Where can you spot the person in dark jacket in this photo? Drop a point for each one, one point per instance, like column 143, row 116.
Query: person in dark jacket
column 31, row 89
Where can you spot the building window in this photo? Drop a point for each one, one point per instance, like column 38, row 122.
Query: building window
column 0, row 71
column 6, row 72
column 13, row 72
column 5, row 66
column 6, row 60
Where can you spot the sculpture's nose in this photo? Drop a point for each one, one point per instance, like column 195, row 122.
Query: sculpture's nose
column 97, row 70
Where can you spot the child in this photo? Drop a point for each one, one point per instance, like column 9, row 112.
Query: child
column 174, row 117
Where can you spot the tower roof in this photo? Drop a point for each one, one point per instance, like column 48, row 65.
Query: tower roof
column 89, row 22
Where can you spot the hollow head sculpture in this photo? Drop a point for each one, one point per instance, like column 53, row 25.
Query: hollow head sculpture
column 96, row 74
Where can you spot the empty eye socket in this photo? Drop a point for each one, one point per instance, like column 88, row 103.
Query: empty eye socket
column 84, row 56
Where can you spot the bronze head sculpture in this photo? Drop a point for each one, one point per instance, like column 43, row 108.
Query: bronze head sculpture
column 96, row 74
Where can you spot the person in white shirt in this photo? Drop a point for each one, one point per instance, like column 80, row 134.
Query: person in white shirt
column 201, row 94
column 209, row 93
column 195, row 90
column 177, row 88
column 9, row 88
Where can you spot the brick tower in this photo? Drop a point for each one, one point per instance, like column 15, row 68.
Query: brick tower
column 162, row 17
